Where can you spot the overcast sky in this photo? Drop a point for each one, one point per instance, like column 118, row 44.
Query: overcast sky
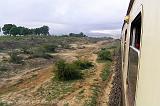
column 64, row 16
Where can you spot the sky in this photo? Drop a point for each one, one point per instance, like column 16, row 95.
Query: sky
column 65, row 16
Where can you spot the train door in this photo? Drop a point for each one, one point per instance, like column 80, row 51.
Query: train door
column 133, row 59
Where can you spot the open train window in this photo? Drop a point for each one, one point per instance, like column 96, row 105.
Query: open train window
column 133, row 58
column 136, row 32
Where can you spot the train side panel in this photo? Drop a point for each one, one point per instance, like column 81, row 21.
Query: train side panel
column 148, row 90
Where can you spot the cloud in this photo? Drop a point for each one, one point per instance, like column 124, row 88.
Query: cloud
column 114, row 31
column 64, row 16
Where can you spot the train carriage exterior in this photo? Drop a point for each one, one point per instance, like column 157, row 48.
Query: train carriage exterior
column 140, row 48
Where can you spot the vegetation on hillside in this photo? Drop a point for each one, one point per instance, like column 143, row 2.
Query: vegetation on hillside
column 18, row 42
column 33, row 57
column 25, row 52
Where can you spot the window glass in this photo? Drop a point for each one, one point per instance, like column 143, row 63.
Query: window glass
column 136, row 32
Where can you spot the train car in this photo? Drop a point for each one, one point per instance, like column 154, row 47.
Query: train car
column 140, row 46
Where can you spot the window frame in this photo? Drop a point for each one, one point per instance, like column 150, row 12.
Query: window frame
column 137, row 19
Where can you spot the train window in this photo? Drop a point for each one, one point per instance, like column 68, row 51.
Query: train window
column 136, row 32
column 125, row 38
column 125, row 35
column 133, row 58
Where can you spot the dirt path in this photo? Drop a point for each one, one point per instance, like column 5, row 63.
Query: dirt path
column 91, row 80
column 103, row 99
column 85, row 86
column 21, row 89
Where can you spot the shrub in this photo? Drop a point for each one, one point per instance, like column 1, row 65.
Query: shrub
column 42, row 55
column 106, row 71
column 14, row 58
column 40, row 52
column 49, row 48
column 71, row 71
column 26, row 50
column 104, row 54
column 3, row 68
column 65, row 45
column 66, row 71
column 83, row 64
column 3, row 103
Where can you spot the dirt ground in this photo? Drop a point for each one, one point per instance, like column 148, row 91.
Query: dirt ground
column 23, row 89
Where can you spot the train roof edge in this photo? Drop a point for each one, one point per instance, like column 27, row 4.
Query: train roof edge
column 128, row 10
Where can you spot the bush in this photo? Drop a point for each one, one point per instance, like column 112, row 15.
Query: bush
column 104, row 54
column 83, row 64
column 14, row 58
column 71, row 71
column 40, row 52
column 49, row 48
column 3, row 103
column 3, row 68
column 106, row 72
column 25, row 50
column 42, row 55
column 65, row 46
column 66, row 71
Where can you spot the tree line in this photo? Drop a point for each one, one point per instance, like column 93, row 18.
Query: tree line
column 77, row 35
column 11, row 29
column 81, row 34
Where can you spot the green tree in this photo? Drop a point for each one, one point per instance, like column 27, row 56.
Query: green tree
column 44, row 30
column 14, row 31
column 37, row 31
column 77, row 35
column 71, row 34
column 6, row 28
column 81, row 34
column 20, row 30
column 24, row 31
column 32, row 31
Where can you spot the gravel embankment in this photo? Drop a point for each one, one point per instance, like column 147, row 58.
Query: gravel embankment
column 115, row 98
